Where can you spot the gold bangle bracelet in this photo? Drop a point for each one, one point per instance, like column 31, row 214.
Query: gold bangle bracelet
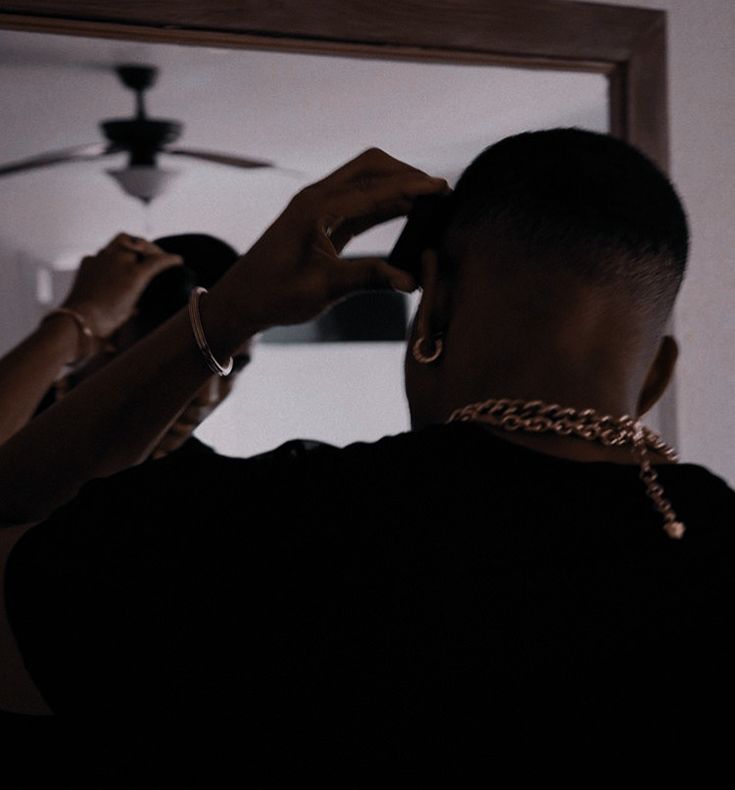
column 201, row 339
column 83, row 327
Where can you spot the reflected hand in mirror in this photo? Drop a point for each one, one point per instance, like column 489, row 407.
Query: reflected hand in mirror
column 109, row 284
column 102, row 298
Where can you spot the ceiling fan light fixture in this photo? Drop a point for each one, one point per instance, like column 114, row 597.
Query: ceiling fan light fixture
column 142, row 138
column 144, row 182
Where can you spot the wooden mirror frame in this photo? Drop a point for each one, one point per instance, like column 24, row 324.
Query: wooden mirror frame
column 628, row 45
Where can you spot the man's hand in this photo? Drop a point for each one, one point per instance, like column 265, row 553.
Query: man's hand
column 108, row 284
column 294, row 272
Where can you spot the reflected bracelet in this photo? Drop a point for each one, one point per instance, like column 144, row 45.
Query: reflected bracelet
column 84, row 330
column 198, row 330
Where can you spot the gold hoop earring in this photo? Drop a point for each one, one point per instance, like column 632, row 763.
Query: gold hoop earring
column 425, row 359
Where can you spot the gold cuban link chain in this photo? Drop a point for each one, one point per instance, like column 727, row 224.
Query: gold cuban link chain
column 535, row 416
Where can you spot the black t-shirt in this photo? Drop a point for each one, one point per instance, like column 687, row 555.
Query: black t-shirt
column 435, row 591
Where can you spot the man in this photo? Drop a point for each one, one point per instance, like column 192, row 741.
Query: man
column 462, row 592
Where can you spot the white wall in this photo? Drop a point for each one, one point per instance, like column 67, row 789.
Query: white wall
column 334, row 392
column 701, row 41
column 20, row 309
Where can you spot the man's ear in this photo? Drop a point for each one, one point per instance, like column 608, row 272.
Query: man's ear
column 432, row 316
column 659, row 374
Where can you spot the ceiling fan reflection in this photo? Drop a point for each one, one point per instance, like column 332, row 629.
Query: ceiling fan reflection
column 143, row 138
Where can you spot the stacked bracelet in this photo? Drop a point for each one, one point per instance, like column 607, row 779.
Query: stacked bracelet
column 82, row 326
column 199, row 336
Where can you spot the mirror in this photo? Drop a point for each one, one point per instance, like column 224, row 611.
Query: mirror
column 308, row 113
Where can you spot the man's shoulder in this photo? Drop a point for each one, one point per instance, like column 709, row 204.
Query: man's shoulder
column 193, row 469
column 300, row 453
column 297, row 472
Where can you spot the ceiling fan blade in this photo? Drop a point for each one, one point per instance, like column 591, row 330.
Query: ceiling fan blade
column 221, row 159
column 76, row 154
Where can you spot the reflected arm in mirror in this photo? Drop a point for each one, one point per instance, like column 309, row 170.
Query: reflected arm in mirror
column 292, row 274
column 109, row 422
column 29, row 370
column 102, row 298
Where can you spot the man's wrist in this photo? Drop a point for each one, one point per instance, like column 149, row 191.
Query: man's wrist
column 226, row 323
column 72, row 331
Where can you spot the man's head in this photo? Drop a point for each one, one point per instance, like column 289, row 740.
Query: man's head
column 205, row 261
column 560, row 261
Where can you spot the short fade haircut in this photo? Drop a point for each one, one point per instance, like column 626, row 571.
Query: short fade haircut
column 580, row 202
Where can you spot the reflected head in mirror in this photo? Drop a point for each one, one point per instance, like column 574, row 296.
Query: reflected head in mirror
column 562, row 254
column 205, row 260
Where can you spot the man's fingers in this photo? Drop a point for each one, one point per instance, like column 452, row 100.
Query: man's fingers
column 381, row 197
column 346, row 230
column 125, row 241
column 369, row 274
column 141, row 252
column 369, row 164
column 160, row 261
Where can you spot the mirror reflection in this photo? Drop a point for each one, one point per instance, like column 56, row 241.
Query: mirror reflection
column 306, row 114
